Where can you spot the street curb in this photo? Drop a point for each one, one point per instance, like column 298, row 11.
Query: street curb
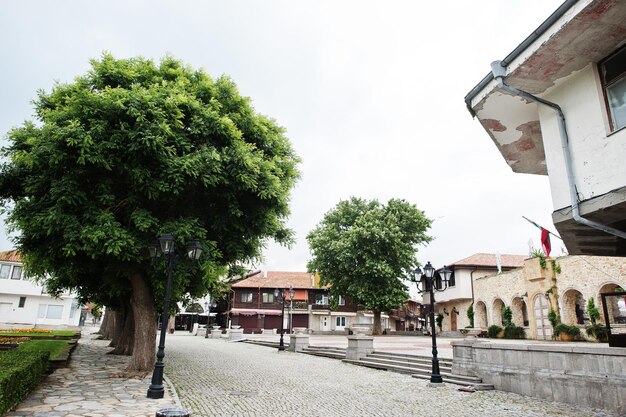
column 172, row 390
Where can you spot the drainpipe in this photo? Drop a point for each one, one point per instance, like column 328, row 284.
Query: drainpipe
column 499, row 72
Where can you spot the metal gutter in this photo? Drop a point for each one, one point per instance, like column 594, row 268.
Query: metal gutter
column 499, row 72
column 558, row 13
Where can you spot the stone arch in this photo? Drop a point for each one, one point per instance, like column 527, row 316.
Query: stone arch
column 520, row 312
column 572, row 306
column 480, row 315
column 613, row 307
column 496, row 312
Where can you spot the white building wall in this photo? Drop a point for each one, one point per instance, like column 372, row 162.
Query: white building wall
column 597, row 154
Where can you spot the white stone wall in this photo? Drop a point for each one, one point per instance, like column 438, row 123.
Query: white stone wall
column 586, row 275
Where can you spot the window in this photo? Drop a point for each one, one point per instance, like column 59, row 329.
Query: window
column 17, row 272
column 22, row 302
column 321, row 299
column 49, row 311
column 246, row 297
column 613, row 73
column 267, row 297
column 341, row 301
column 4, row 271
column 340, row 321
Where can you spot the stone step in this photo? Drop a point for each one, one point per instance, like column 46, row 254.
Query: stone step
column 463, row 380
column 325, row 351
column 404, row 365
column 417, row 359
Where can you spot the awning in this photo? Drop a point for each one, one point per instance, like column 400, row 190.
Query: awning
column 252, row 312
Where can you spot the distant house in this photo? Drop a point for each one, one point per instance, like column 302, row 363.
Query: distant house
column 255, row 308
column 24, row 302
column 454, row 302
column 556, row 106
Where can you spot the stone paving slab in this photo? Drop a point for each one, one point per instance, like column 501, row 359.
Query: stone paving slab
column 89, row 387
column 215, row 377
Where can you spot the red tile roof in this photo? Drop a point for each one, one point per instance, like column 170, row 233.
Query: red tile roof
column 10, row 256
column 489, row 260
column 275, row 279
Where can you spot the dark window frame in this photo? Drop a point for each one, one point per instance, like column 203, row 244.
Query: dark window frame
column 614, row 79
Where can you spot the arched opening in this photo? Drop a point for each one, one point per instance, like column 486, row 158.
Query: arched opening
column 520, row 312
column 480, row 315
column 496, row 313
column 615, row 305
column 573, row 307
column 542, row 324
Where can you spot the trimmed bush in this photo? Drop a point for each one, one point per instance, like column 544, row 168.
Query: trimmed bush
column 572, row 330
column 20, row 373
column 493, row 331
column 512, row 331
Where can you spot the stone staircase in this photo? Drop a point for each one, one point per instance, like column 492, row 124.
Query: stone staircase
column 326, row 351
column 414, row 365
column 418, row 367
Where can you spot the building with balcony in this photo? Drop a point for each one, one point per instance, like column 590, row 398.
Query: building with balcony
column 556, row 106
column 255, row 308
column 24, row 302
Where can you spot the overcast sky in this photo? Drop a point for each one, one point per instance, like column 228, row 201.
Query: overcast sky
column 371, row 95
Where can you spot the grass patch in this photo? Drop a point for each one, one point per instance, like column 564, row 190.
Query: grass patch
column 53, row 347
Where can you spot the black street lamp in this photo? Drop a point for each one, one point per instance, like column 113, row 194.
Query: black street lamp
column 428, row 284
column 167, row 245
column 207, row 307
column 281, row 293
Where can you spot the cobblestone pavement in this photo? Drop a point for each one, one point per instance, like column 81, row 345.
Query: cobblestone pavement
column 89, row 388
column 219, row 378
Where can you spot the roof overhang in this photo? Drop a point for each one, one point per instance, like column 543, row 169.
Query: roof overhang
column 578, row 33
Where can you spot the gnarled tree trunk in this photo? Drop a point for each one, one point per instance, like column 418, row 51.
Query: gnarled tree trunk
column 118, row 329
column 376, row 328
column 144, row 313
column 107, row 324
column 124, row 345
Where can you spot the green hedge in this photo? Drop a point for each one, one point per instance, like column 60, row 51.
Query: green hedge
column 20, row 373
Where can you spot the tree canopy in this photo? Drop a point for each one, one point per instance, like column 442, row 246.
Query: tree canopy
column 365, row 249
column 134, row 149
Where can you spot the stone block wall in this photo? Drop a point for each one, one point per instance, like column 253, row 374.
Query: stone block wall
column 588, row 376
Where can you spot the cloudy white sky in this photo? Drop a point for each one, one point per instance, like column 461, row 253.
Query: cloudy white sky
column 371, row 94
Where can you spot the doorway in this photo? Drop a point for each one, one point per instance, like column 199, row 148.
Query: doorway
column 542, row 324
column 325, row 323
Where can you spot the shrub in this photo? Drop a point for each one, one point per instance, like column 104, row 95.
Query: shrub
column 439, row 321
column 20, row 372
column 553, row 318
column 507, row 315
column 600, row 332
column 572, row 330
column 493, row 331
column 470, row 315
column 512, row 331
column 594, row 314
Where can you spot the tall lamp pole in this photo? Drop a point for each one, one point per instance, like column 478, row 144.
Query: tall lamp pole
column 277, row 292
column 429, row 284
column 194, row 250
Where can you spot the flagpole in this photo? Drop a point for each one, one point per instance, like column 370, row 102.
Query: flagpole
column 536, row 225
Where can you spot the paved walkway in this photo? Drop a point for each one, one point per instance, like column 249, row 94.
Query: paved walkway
column 219, row 378
column 89, row 388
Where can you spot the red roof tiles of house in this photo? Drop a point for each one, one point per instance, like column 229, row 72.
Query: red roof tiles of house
column 489, row 260
column 275, row 279
column 10, row 256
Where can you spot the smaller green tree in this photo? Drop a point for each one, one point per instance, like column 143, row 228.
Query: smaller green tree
column 594, row 314
column 470, row 315
column 366, row 250
column 507, row 316
column 595, row 329
column 439, row 321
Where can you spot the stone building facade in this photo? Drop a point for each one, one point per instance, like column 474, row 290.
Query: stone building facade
column 565, row 284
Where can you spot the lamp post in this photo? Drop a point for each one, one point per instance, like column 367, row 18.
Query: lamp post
column 281, row 293
column 207, row 307
column 167, row 245
column 291, row 294
column 430, row 284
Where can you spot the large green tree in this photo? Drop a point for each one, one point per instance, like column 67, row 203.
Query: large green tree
column 365, row 249
column 132, row 150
